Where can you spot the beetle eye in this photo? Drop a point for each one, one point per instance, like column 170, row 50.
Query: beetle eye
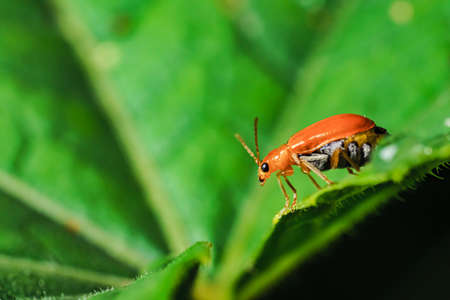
column 265, row 167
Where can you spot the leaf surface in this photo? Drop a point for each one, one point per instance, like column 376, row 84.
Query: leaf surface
column 67, row 193
column 163, row 284
column 118, row 150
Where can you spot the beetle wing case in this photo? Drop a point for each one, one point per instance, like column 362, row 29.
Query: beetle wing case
column 328, row 130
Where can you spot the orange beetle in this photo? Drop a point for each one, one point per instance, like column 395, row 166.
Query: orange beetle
column 340, row 141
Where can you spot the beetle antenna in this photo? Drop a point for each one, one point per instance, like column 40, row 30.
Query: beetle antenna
column 239, row 138
column 256, row 141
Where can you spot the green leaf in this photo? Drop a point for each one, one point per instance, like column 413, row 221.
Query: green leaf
column 67, row 193
column 118, row 151
column 278, row 35
column 162, row 284
column 21, row 277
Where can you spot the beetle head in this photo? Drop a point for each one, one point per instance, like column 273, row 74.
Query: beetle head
column 277, row 159
column 264, row 172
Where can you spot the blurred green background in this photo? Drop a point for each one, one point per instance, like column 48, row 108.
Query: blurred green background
column 117, row 123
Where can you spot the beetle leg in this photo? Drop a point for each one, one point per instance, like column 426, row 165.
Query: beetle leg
column 350, row 171
column 350, row 161
column 286, row 204
column 313, row 181
column 294, row 202
column 303, row 162
column 308, row 172
column 318, row 173
column 334, row 159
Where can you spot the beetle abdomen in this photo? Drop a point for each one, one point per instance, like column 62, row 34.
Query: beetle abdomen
column 321, row 159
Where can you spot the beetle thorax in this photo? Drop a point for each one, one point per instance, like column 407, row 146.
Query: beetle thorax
column 279, row 158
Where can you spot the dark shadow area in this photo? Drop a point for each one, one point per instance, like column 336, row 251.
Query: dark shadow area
column 184, row 290
column 401, row 252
